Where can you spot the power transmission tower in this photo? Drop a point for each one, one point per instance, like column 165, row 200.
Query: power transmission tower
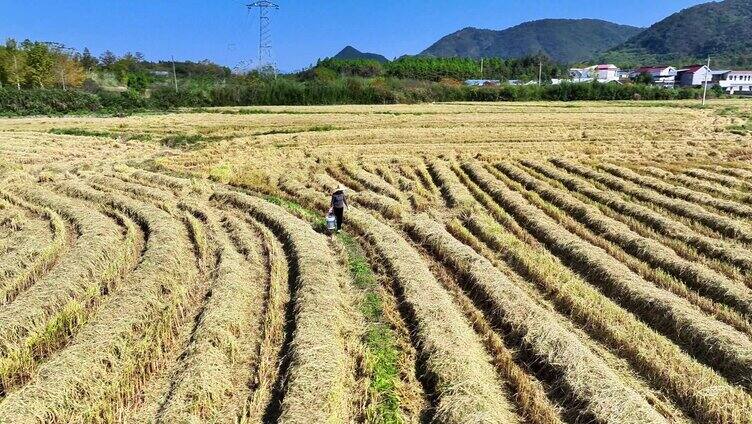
column 265, row 59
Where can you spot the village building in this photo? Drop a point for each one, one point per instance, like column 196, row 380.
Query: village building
column 693, row 76
column 482, row 82
column 601, row 73
column 662, row 75
column 734, row 82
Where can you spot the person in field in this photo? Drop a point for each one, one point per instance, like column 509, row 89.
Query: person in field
column 339, row 203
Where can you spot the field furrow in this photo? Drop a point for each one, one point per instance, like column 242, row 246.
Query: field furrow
column 111, row 355
column 704, row 280
column 678, row 192
column 214, row 372
column 732, row 253
column 320, row 373
column 272, row 331
column 539, row 331
column 41, row 319
column 460, row 374
column 723, row 225
column 499, row 262
column 714, row 342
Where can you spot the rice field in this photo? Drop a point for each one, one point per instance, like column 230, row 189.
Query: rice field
column 501, row 263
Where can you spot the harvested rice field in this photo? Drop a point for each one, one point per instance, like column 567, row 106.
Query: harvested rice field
column 500, row 263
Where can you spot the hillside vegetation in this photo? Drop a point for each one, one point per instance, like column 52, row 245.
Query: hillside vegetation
column 563, row 40
column 720, row 29
column 351, row 53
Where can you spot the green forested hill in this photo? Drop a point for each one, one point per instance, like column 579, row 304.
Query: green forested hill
column 722, row 30
column 351, row 53
column 564, row 40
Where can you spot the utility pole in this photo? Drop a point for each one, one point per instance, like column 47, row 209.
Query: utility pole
column 265, row 34
column 481, row 68
column 540, row 71
column 174, row 74
column 705, row 90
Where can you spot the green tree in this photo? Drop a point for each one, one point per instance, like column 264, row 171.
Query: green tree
column 40, row 64
column 138, row 81
column 88, row 61
column 107, row 59
column 13, row 63
column 644, row 78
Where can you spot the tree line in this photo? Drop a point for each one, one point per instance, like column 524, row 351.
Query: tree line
column 44, row 65
column 39, row 78
column 436, row 69
column 34, row 64
column 288, row 91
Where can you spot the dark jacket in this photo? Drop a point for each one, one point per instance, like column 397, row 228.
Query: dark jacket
column 338, row 200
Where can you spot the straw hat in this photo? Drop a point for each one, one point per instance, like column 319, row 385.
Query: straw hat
column 340, row 187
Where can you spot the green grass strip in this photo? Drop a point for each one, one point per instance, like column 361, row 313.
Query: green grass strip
column 382, row 356
column 379, row 339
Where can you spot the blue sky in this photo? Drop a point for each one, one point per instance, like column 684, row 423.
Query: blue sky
column 303, row 30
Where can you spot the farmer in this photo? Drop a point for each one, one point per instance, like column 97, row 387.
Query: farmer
column 339, row 203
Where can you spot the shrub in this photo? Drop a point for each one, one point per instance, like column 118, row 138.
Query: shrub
column 46, row 102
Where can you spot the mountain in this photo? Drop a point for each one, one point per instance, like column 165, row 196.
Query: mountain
column 722, row 30
column 563, row 40
column 350, row 52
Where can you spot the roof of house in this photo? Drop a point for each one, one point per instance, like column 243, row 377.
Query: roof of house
column 642, row 69
column 605, row 67
column 740, row 72
column 692, row 68
column 482, row 81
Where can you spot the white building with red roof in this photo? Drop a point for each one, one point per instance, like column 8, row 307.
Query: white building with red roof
column 662, row 75
column 693, row 76
column 600, row 73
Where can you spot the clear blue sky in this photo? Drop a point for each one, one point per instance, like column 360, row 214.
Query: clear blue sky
column 303, row 30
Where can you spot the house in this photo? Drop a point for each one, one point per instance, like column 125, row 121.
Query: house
column 662, row 75
column 160, row 73
column 607, row 73
column 693, row 76
column 482, row 82
column 734, row 82
column 581, row 74
column 600, row 73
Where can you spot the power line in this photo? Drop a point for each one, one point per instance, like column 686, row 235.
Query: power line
column 265, row 59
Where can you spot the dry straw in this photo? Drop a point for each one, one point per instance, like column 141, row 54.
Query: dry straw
column 679, row 192
column 714, row 248
column 100, row 372
column 41, row 318
column 724, row 225
column 461, row 376
column 706, row 281
column 373, row 182
column 726, row 180
column 46, row 257
column 272, row 330
column 456, row 196
column 585, row 374
column 459, row 372
column 320, row 373
column 696, row 386
column 727, row 349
